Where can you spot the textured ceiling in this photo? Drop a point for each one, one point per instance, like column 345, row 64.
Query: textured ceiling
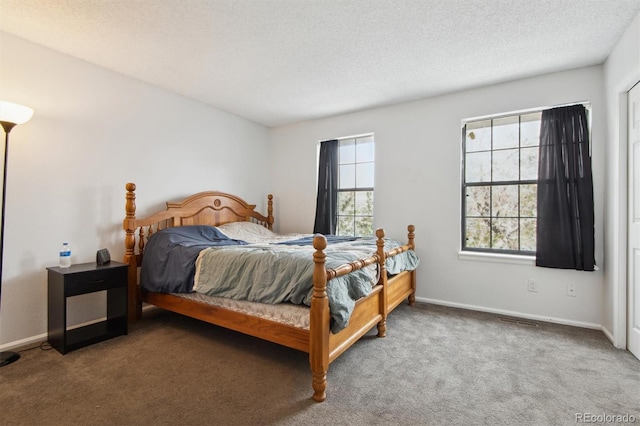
column 283, row 61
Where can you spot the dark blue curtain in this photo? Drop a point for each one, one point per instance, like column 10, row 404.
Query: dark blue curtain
column 565, row 232
column 327, row 200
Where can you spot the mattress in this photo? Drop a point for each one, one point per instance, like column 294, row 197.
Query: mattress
column 284, row 313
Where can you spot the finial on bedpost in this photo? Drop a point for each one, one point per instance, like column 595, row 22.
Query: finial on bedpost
column 380, row 243
column 319, row 322
column 411, row 236
column 131, row 200
column 382, row 325
column 269, row 211
column 319, row 257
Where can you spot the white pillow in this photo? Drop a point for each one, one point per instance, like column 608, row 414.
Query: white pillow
column 246, row 231
column 255, row 234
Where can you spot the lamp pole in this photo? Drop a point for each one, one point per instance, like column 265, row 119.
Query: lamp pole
column 10, row 115
column 7, row 129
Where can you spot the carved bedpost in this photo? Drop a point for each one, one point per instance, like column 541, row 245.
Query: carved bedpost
column 319, row 322
column 382, row 325
column 270, row 211
column 411, row 236
column 134, row 306
column 130, row 208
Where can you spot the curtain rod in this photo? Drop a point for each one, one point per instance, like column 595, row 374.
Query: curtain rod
column 587, row 104
column 362, row 135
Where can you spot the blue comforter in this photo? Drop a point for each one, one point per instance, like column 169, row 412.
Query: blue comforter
column 168, row 265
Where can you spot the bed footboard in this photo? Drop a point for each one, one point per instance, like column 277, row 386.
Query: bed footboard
column 369, row 311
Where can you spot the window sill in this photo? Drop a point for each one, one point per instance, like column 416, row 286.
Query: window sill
column 497, row 258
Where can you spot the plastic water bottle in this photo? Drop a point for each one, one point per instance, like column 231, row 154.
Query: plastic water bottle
column 65, row 256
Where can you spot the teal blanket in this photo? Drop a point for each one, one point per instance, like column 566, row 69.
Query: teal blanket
column 275, row 274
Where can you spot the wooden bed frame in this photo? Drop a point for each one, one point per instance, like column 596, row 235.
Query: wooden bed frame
column 216, row 208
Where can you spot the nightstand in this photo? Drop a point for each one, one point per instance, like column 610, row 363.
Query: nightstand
column 82, row 279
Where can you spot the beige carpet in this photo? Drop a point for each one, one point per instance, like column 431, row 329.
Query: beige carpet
column 437, row 366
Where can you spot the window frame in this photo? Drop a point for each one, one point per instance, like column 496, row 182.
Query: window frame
column 464, row 249
column 356, row 189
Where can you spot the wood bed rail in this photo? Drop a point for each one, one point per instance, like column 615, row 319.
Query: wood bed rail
column 348, row 268
column 361, row 263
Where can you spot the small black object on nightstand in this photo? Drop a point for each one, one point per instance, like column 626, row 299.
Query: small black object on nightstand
column 103, row 257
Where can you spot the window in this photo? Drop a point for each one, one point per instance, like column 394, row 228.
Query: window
column 499, row 183
column 355, row 186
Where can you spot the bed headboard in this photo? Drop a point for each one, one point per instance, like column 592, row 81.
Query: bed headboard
column 205, row 208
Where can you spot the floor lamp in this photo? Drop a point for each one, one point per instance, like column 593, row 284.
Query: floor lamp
column 10, row 115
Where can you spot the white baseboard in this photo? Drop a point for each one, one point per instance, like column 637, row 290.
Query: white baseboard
column 512, row 313
column 146, row 307
column 609, row 335
column 19, row 344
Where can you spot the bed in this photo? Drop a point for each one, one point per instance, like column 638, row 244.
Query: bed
column 217, row 209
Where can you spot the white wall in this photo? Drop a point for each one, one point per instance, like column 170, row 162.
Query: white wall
column 418, row 182
column 621, row 72
column 94, row 130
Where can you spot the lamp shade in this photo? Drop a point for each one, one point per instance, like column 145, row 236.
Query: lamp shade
column 14, row 113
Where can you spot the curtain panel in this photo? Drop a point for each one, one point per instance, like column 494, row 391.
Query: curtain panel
column 327, row 198
column 565, row 229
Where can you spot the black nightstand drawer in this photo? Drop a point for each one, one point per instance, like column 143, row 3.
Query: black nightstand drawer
column 97, row 280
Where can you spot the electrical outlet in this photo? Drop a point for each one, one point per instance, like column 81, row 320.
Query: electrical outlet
column 532, row 285
column 571, row 290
